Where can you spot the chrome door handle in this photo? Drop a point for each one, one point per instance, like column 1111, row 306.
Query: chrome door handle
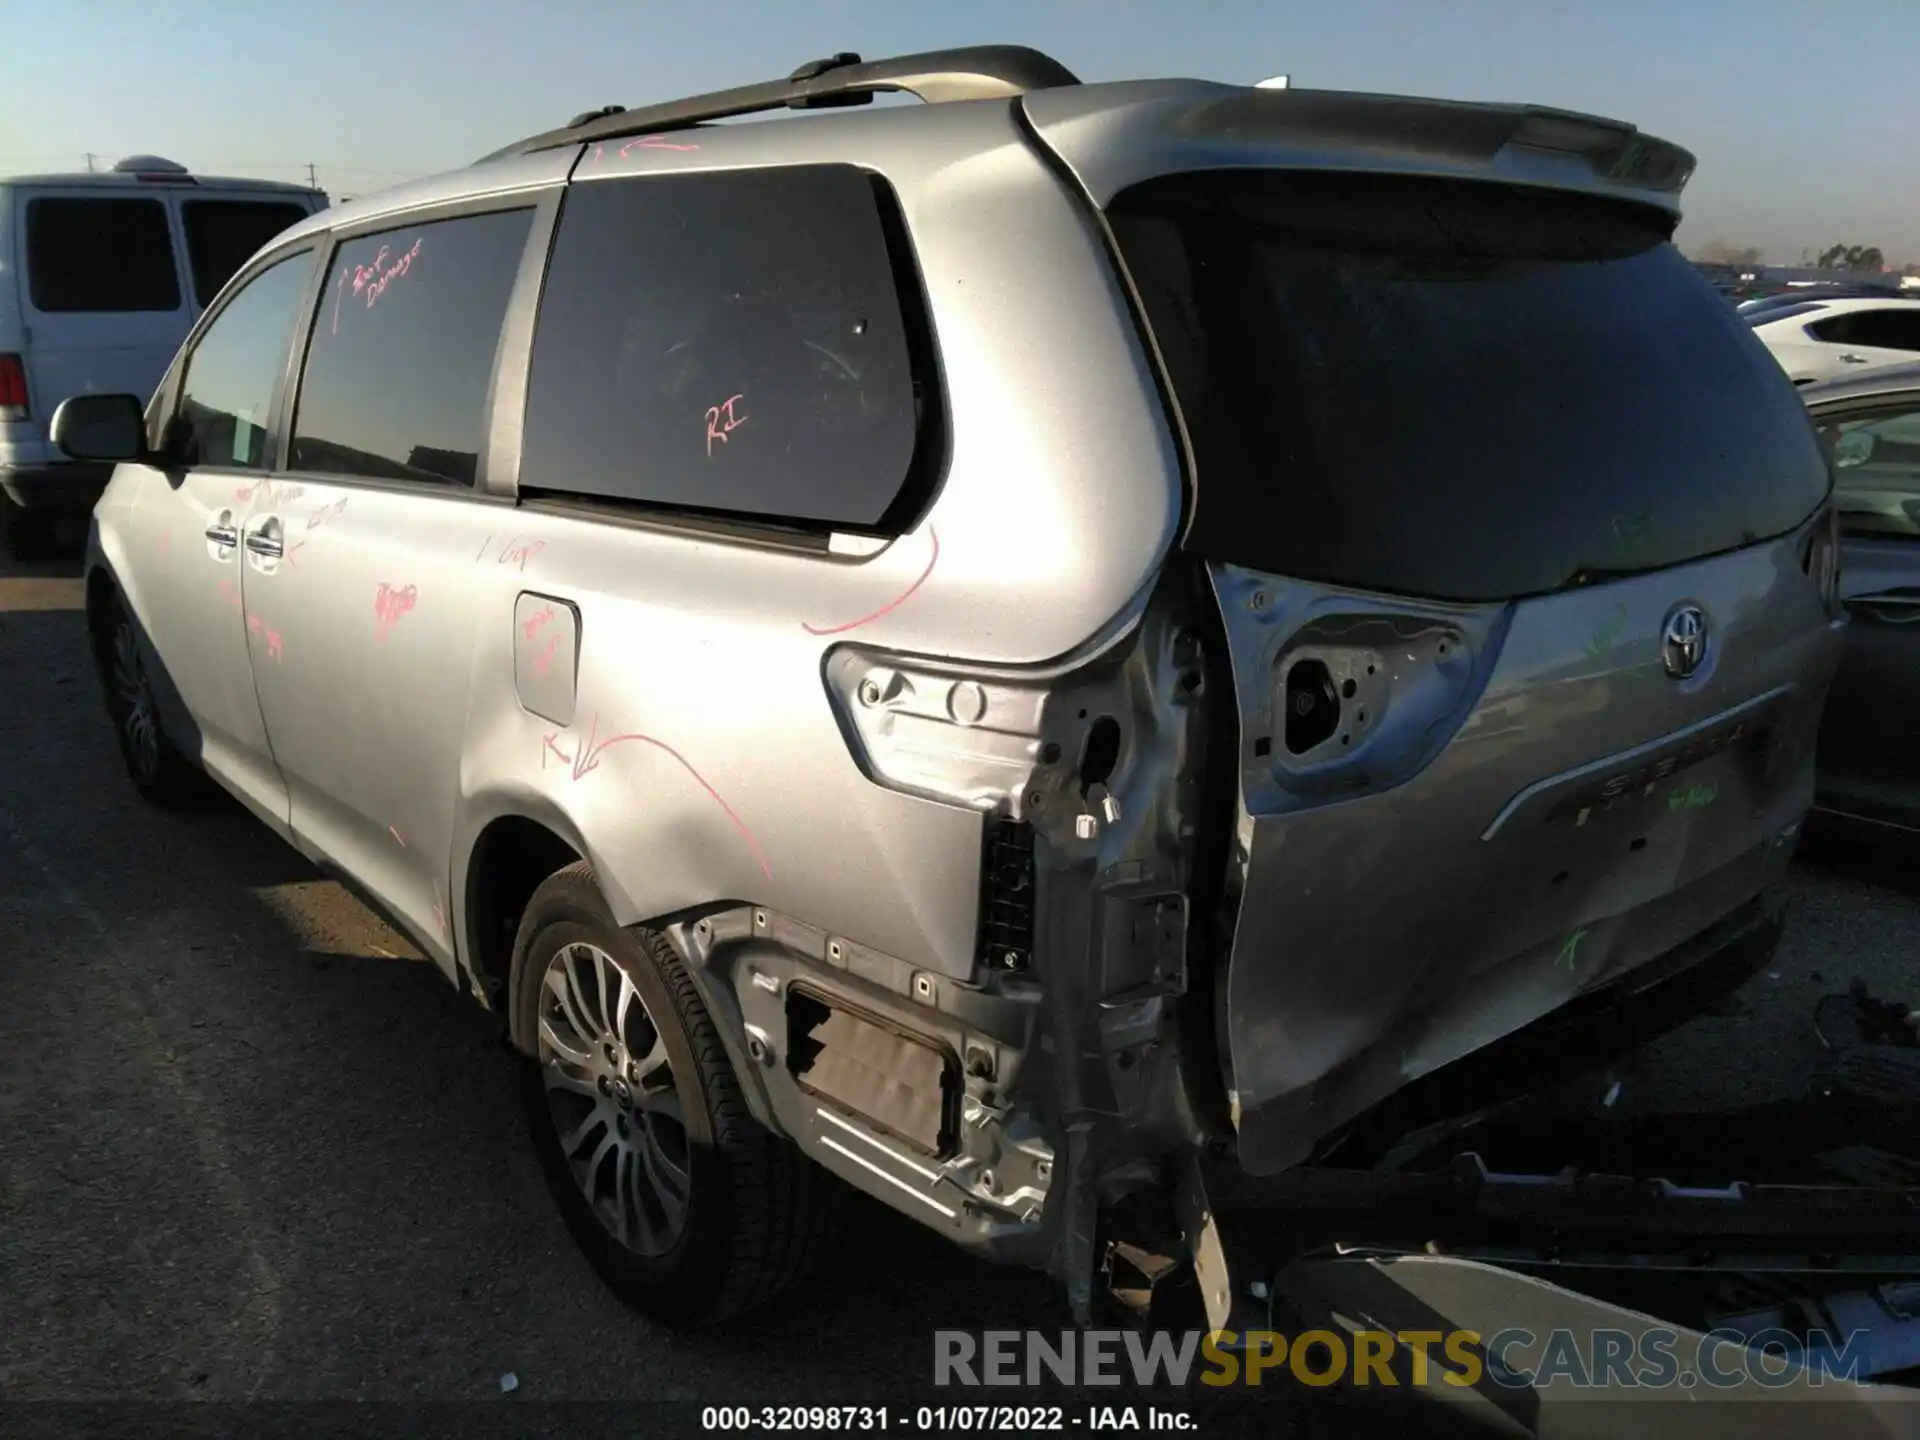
column 264, row 543
column 225, row 536
column 1854, row 359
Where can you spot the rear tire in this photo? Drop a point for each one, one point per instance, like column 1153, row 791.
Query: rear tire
column 688, row 1209
column 161, row 774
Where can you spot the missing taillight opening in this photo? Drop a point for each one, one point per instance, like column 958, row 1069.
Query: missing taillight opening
column 1313, row 706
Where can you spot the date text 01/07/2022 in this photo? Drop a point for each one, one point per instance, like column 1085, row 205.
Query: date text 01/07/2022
column 942, row 1419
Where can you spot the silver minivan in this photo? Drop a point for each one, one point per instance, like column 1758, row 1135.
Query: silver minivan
column 1038, row 654
column 101, row 277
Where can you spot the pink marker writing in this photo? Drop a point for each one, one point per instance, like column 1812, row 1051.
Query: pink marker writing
column 391, row 602
column 512, row 554
column 721, row 421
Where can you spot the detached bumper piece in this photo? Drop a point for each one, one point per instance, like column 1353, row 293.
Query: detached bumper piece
column 1786, row 1288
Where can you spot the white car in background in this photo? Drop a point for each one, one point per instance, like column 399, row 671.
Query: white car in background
column 1826, row 339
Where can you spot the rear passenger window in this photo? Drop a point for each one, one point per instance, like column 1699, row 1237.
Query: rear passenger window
column 100, row 256
column 222, row 235
column 234, row 372
column 401, row 358
column 1886, row 329
column 731, row 343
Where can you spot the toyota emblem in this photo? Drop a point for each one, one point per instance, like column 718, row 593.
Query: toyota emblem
column 1683, row 640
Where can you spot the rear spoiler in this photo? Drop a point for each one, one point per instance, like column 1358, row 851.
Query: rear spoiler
column 1114, row 135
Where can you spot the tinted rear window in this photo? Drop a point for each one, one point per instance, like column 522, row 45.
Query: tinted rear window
column 104, row 255
column 743, row 343
column 1455, row 390
column 222, row 235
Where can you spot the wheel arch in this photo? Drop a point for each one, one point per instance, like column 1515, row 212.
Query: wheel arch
column 512, row 852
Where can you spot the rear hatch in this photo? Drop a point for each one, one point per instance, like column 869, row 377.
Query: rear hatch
column 1521, row 551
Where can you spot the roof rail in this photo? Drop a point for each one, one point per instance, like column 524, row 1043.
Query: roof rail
column 975, row 72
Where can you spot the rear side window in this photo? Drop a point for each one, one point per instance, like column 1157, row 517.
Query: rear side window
column 100, row 256
column 731, row 343
column 398, row 369
column 1457, row 390
column 1891, row 329
column 222, row 235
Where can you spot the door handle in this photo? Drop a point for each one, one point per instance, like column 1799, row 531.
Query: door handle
column 1853, row 359
column 1892, row 607
column 266, row 542
column 223, row 532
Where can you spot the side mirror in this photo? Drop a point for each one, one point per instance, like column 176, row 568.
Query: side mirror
column 100, row 427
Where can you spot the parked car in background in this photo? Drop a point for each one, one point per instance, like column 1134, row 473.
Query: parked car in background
column 1869, row 759
column 1819, row 338
column 101, row 277
column 1801, row 294
column 998, row 649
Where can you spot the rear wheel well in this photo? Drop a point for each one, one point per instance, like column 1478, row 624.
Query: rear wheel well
column 511, row 859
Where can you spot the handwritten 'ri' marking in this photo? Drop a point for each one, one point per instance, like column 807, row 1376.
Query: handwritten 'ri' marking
column 721, row 421
column 586, row 759
column 891, row 605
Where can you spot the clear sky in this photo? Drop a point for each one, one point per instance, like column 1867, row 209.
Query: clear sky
column 1806, row 117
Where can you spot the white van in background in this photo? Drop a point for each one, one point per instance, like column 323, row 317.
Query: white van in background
column 101, row 277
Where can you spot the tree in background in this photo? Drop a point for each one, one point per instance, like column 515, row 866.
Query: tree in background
column 1852, row 257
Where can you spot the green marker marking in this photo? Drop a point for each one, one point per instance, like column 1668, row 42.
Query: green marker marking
column 1570, row 949
column 1693, row 797
column 1607, row 634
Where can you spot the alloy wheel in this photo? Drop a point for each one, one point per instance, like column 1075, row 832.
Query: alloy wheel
column 611, row 1094
column 139, row 725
